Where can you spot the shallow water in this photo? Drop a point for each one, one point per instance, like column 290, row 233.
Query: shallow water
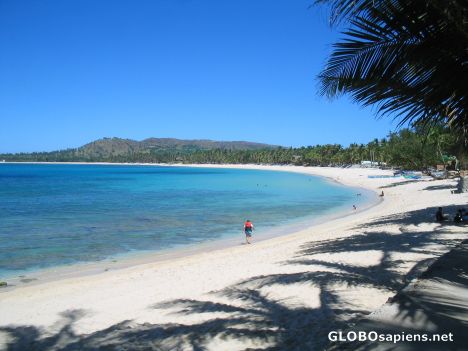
column 53, row 215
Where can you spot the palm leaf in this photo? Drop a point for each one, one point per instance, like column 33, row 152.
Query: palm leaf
column 408, row 59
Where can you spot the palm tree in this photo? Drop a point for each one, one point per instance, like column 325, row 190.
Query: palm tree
column 408, row 57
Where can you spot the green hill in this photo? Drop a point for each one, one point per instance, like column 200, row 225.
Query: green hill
column 108, row 147
column 127, row 150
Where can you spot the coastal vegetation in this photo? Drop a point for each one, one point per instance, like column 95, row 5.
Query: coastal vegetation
column 407, row 148
column 405, row 57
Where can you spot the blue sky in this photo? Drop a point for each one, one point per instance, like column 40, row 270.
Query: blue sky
column 77, row 70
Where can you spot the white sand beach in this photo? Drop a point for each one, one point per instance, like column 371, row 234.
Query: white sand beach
column 288, row 292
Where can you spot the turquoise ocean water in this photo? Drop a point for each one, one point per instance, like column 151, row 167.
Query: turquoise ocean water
column 53, row 215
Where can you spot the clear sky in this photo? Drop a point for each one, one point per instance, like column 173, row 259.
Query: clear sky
column 72, row 71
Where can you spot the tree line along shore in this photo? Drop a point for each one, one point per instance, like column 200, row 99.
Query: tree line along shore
column 407, row 149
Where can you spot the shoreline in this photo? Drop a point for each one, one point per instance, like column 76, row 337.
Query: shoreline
column 38, row 276
column 309, row 170
column 289, row 291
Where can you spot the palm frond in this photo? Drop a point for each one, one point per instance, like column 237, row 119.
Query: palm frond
column 407, row 58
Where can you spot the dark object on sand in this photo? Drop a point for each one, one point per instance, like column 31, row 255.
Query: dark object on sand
column 382, row 194
column 461, row 216
column 3, row 284
column 463, row 184
column 440, row 215
column 458, row 217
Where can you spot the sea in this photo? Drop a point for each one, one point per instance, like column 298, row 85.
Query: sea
column 55, row 215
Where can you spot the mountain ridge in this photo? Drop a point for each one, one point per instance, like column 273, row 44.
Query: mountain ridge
column 162, row 150
column 119, row 147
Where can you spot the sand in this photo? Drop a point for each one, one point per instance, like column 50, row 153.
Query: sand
column 288, row 292
column 434, row 305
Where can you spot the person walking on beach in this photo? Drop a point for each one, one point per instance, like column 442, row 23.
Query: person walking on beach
column 248, row 229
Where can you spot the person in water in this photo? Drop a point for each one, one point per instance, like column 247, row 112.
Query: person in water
column 248, row 229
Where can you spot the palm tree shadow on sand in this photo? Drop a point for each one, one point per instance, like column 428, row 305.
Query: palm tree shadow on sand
column 254, row 319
